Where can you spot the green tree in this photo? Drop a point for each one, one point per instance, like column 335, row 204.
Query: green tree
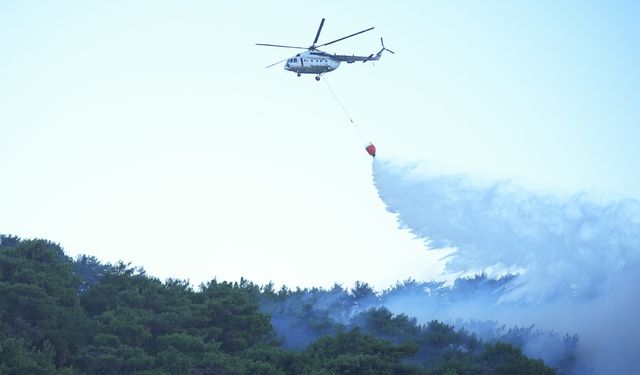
column 230, row 315
column 17, row 357
column 506, row 359
column 38, row 302
column 354, row 353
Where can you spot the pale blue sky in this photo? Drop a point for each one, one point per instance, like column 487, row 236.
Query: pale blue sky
column 150, row 131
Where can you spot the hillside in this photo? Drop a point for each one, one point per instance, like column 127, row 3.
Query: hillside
column 66, row 316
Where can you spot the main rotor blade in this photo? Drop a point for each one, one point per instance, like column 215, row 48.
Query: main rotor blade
column 348, row 36
column 318, row 33
column 278, row 45
column 279, row 62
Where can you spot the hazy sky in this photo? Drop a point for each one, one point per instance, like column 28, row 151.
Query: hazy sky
column 150, row 132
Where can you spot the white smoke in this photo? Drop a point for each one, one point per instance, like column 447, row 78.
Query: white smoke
column 577, row 259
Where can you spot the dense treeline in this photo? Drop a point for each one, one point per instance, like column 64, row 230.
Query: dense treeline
column 64, row 316
column 302, row 316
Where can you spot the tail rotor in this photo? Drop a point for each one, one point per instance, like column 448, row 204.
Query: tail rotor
column 385, row 48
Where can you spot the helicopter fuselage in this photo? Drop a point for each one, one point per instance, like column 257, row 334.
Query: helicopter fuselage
column 312, row 62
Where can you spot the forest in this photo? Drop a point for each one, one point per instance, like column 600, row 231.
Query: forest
column 60, row 315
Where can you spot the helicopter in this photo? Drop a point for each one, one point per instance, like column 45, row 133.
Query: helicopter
column 314, row 61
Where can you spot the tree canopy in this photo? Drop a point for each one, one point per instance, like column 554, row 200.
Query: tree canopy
column 64, row 316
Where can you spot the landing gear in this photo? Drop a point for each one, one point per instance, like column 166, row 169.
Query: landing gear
column 318, row 77
column 299, row 74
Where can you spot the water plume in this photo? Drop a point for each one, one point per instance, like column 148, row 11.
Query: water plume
column 577, row 258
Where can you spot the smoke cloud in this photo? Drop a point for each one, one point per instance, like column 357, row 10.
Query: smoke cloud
column 577, row 259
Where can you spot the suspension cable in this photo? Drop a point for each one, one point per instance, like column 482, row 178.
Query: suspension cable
column 355, row 126
column 338, row 100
